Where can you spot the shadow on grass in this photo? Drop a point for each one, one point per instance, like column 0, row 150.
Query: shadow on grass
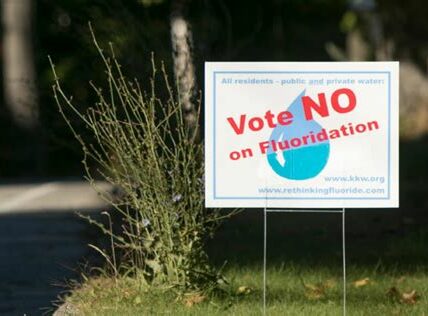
column 314, row 240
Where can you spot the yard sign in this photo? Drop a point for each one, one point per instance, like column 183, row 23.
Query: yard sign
column 305, row 135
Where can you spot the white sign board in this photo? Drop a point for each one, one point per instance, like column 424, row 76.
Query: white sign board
column 304, row 135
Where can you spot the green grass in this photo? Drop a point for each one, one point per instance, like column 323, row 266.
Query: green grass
column 304, row 274
column 291, row 291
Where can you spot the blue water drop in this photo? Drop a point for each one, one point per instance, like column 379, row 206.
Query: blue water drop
column 303, row 162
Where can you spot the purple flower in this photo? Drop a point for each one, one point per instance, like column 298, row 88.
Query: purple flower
column 177, row 198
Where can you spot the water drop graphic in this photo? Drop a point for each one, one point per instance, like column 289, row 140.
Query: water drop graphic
column 303, row 162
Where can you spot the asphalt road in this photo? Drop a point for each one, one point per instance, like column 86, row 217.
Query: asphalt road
column 43, row 243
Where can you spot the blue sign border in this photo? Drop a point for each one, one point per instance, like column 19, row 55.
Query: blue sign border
column 215, row 197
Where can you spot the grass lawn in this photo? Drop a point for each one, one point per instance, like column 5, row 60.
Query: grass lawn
column 387, row 273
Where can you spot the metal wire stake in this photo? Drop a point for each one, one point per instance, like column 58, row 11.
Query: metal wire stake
column 344, row 261
column 265, row 211
column 264, row 259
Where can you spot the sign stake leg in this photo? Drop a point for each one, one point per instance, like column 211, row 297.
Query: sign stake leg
column 344, row 261
column 264, row 258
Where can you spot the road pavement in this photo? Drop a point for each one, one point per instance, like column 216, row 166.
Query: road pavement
column 43, row 242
